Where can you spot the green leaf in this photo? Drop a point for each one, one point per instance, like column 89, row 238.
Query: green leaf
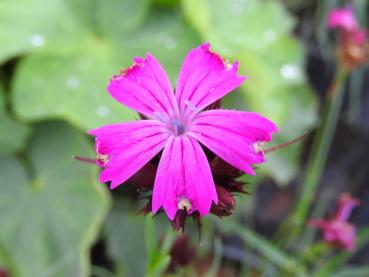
column 256, row 33
column 235, row 25
column 28, row 25
column 71, row 83
column 164, row 34
column 352, row 271
column 125, row 235
column 116, row 18
column 264, row 247
column 13, row 134
column 51, row 210
column 300, row 117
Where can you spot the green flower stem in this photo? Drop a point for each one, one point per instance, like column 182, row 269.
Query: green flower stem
column 269, row 251
column 319, row 153
column 159, row 258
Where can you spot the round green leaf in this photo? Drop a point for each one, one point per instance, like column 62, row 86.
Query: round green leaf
column 256, row 33
column 50, row 213
column 13, row 134
column 166, row 36
column 69, row 85
column 116, row 18
column 27, row 25
column 235, row 25
column 125, row 234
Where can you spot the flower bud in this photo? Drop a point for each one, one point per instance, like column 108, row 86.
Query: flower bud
column 144, row 179
column 337, row 231
column 226, row 202
column 181, row 254
column 3, row 272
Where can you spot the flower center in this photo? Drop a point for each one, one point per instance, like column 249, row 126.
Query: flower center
column 177, row 127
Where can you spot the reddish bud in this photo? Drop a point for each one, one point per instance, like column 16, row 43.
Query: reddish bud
column 144, row 179
column 223, row 169
column 181, row 253
column 179, row 220
column 226, row 202
column 3, row 272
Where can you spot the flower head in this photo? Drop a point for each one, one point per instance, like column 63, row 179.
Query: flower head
column 338, row 231
column 343, row 18
column 179, row 124
column 353, row 49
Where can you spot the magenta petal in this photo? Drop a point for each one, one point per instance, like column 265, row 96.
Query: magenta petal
column 144, row 87
column 183, row 179
column 359, row 36
column 236, row 137
column 205, row 78
column 342, row 18
column 127, row 147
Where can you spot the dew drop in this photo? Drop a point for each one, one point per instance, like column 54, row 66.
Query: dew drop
column 168, row 40
column 237, row 7
column 72, row 83
column 102, row 111
column 37, row 40
column 291, row 72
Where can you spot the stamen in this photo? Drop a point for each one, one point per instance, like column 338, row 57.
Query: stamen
column 103, row 158
column 191, row 106
column 160, row 117
column 184, row 204
column 84, row 159
column 282, row 145
column 227, row 64
column 259, row 146
column 178, row 127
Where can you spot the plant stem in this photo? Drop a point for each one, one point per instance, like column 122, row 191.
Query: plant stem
column 269, row 251
column 320, row 149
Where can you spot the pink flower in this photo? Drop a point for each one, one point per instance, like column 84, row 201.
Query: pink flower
column 179, row 125
column 338, row 231
column 343, row 18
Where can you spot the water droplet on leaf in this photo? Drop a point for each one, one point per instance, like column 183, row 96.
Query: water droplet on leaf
column 37, row 40
column 291, row 72
column 72, row 83
column 102, row 111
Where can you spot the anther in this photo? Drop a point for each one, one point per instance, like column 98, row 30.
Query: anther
column 184, row 204
column 103, row 158
column 191, row 106
column 178, row 127
column 227, row 64
column 160, row 117
column 259, row 146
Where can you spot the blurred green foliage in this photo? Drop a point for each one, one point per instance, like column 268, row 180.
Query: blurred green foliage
column 50, row 210
column 65, row 51
column 258, row 35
